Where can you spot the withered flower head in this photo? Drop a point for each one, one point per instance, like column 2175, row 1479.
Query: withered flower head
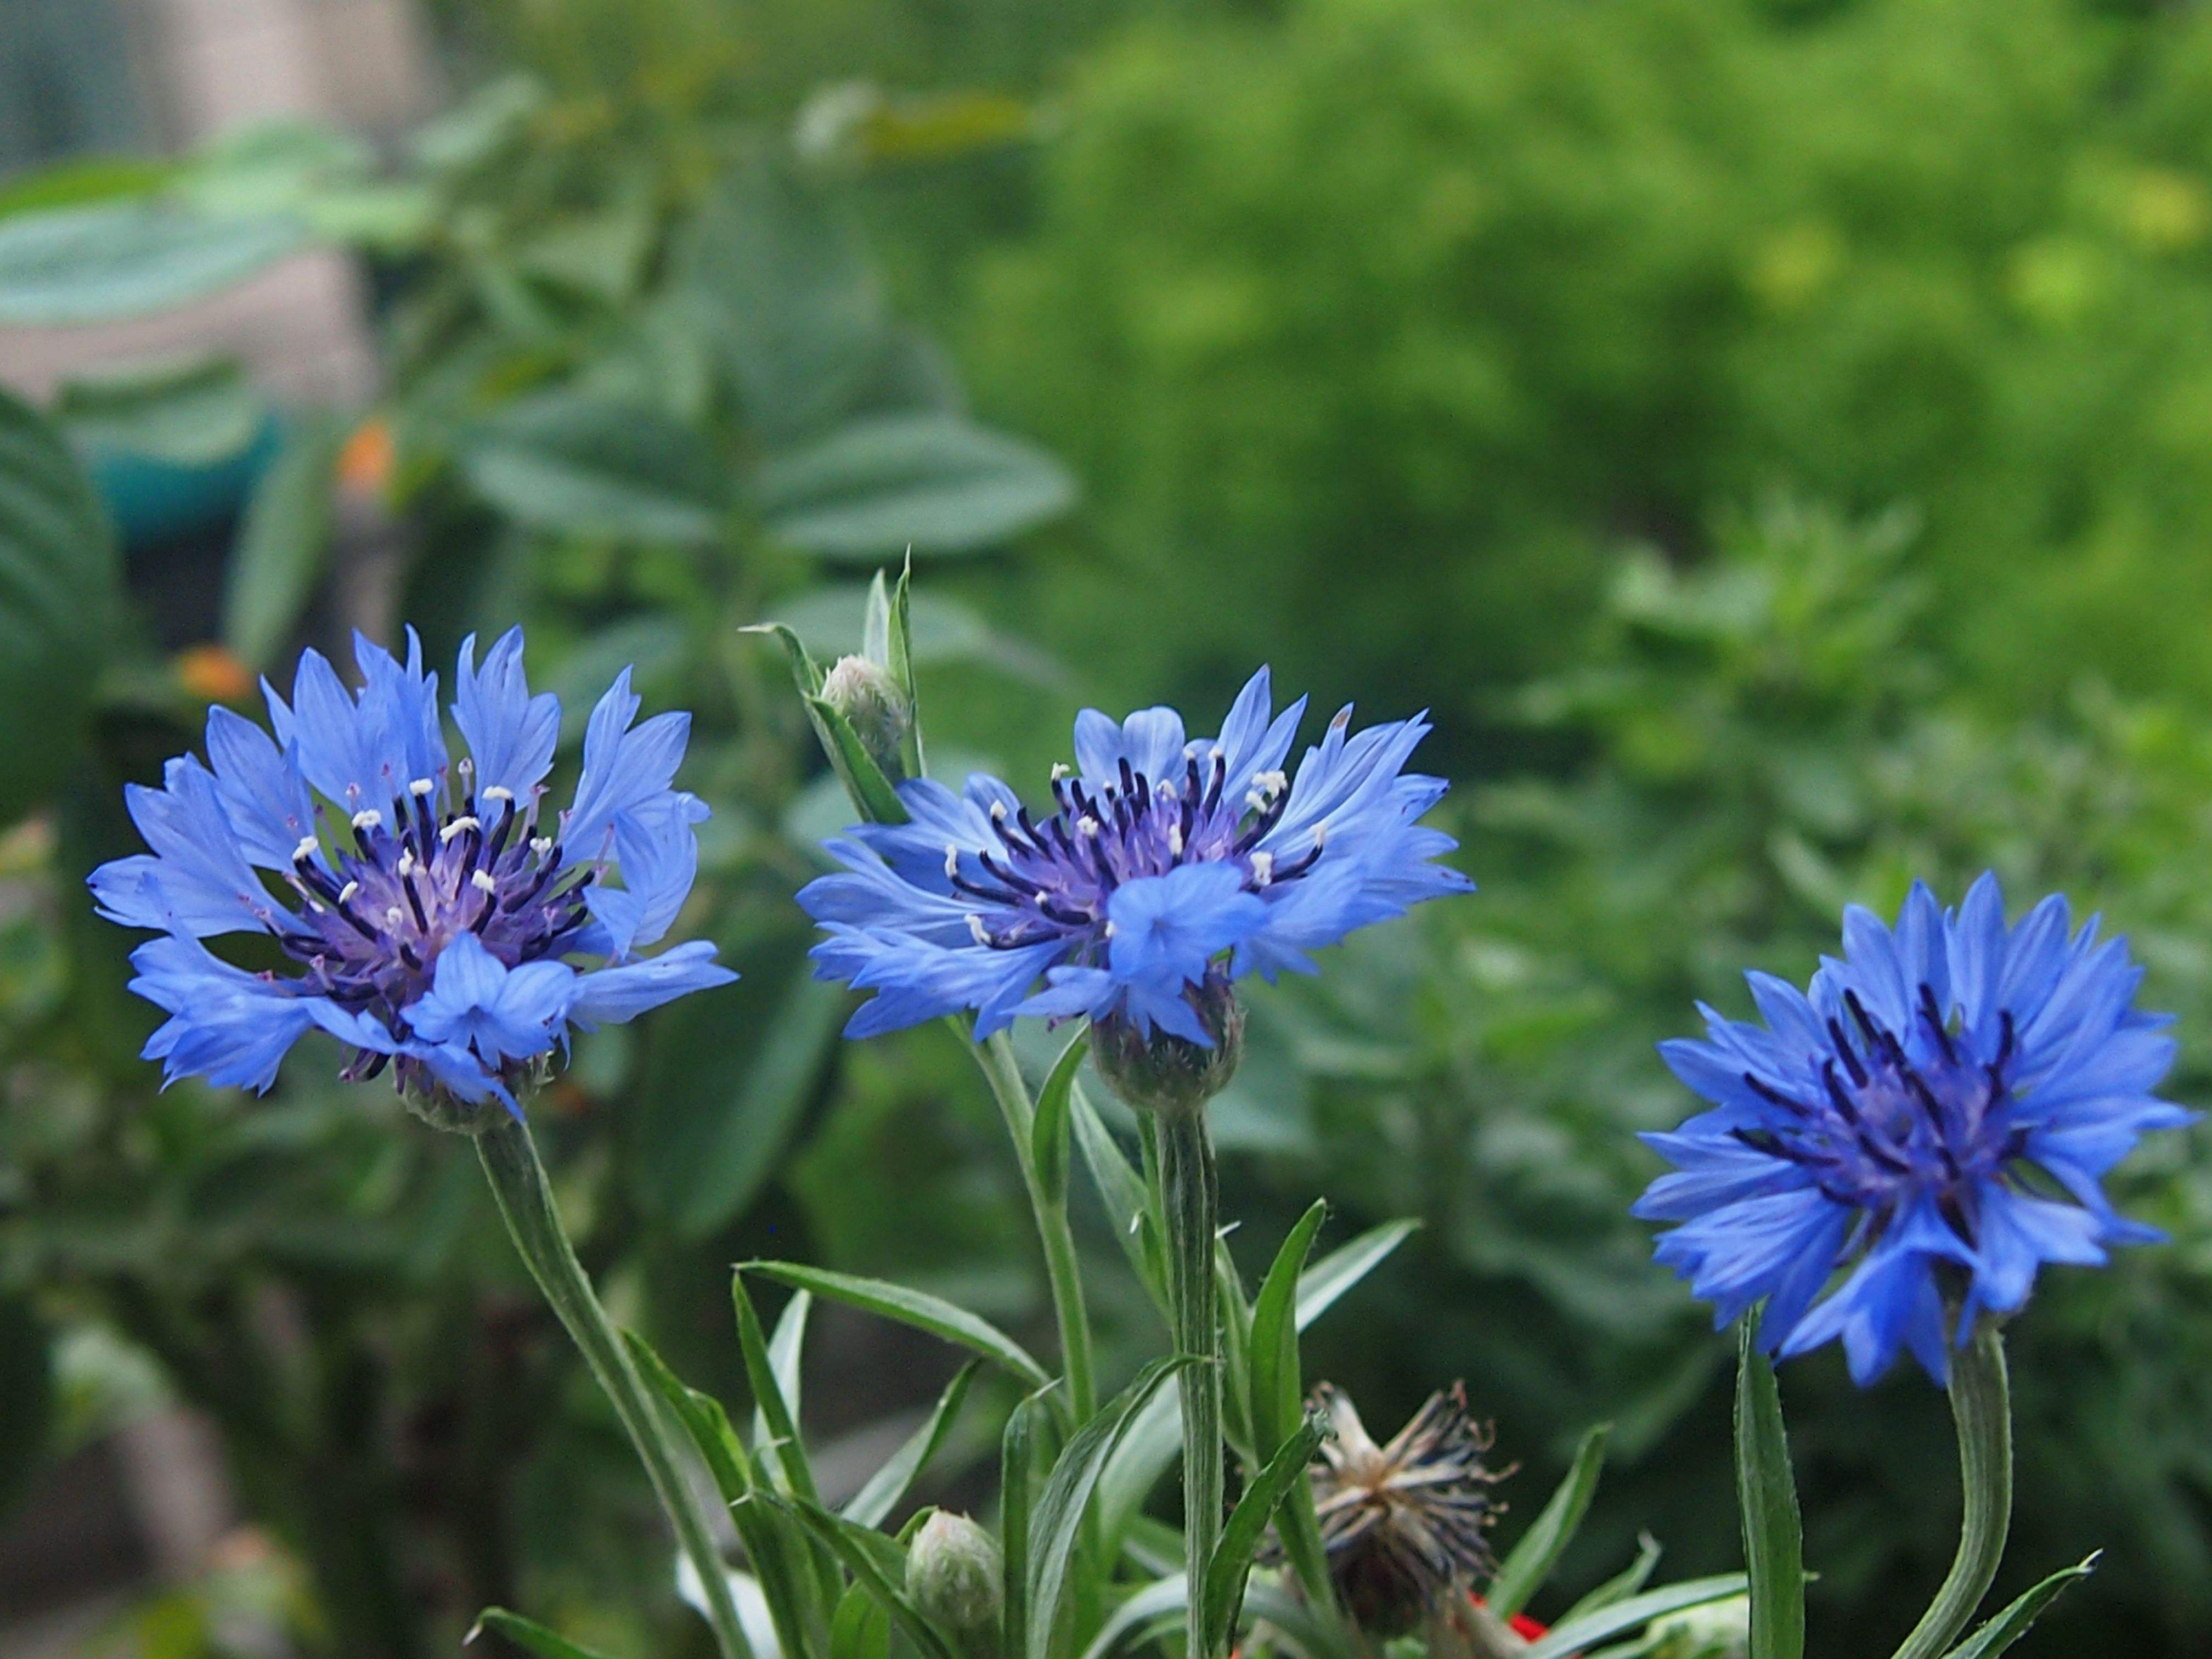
column 1404, row 1524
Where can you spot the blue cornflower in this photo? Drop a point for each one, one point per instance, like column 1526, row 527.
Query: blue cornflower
column 440, row 927
column 1165, row 865
column 1935, row 1114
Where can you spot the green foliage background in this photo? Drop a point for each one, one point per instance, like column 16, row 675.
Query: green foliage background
column 1774, row 436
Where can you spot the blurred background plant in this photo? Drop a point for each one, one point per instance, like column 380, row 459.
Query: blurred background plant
column 1773, row 434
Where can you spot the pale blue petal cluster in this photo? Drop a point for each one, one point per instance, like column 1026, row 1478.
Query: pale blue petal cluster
column 1164, row 862
column 440, row 926
column 1931, row 1120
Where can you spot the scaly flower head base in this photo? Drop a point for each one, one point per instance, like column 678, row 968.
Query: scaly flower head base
column 1935, row 1114
column 1161, row 863
column 436, row 913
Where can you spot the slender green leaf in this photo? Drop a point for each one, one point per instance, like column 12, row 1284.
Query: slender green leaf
column 1048, row 1130
column 779, row 1429
column 1153, row 1610
column 1305, row 1628
column 861, row 1629
column 575, row 463
column 702, row 1418
column 783, row 1558
column 59, row 591
column 1633, row 1613
column 806, row 672
column 1121, row 1189
column 1016, row 1478
column 931, row 482
column 898, row 657
column 876, row 623
column 186, row 412
column 878, row 1567
column 1278, row 1393
column 1329, row 1278
column 1766, row 1500
column 1622, row 1585
column 529, row 1635
column 1284, row 1474
column 124, row 258
column 888, row 1484
column 915, row 1307
column 1524, row 1570
column 283, row 546
column 2008, row 1627
column 786, row 1355
column 864, row 778
column 1058, row 1521
column 1236, row 1320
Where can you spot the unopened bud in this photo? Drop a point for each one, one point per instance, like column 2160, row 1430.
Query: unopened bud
column 875, row 707
column 1170, row 1074
column 956, row 1575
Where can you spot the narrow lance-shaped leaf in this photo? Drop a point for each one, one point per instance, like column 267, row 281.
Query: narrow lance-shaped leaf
column 915, row 1307
column 1048, row 1130
column 1766, row 1499
column 778, row 1430
column 1017, row 1474
column 1637, row 1611
column 1121, row 1189
column 1235, row 1319
column 899, row 648
column 786, row 1351
column 1278, row 1393
column 528, row 1635
column 860, row 1629
column 1621, row 1585
column 1329, row 1278
column 702, row 1419
column 877, row 1565
column 1284, row 1474
column 2008, row 1627
column 888, row 1484
column 1531, row 1559
column 1058, row 1520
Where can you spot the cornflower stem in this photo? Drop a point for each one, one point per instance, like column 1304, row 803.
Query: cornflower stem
column 1982, row 1407
column 525, row 1202
column 1190, row 1202
column 996, row 1056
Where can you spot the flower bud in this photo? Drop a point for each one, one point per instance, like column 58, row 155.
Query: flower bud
column 955, row 1574
column 1169, row 1074
column 873, row 705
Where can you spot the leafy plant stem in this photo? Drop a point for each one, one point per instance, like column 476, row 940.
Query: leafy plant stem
column 1981, row 1405
column 1190, row 1202
column 996, row 1057
column 533, row 1221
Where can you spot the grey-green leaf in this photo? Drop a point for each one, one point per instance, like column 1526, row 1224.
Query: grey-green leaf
column 1636, row 1611
column 528, row 1635
column 1766, row 1500
column 1282, row 1475
column 2008, row 1627
column 911, row 1307
column 111, row 259
column 1530, row 1563
column 1048, row 1129
column 574, row 463
column 931, row 482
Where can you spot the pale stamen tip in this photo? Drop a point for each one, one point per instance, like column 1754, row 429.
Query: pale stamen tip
column 367, row 818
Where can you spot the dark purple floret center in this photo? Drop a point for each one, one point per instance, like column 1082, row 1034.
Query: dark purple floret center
column 1887, row 1127
column 1061, row 874
column 418, row 876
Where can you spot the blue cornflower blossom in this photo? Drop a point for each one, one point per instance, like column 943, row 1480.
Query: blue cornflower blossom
column 1936, row 1114
column 435, row 921
column 1166, row 867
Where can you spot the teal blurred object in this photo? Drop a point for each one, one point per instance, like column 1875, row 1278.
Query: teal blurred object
column 153, row 501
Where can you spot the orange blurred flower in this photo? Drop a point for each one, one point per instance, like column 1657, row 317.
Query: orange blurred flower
column 365, row 462
column 212, row 672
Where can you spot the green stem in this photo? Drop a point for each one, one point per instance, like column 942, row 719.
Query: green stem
column 1981, row 1404
column 1190, row 1199
column 526, row 1201
column 996, row 1057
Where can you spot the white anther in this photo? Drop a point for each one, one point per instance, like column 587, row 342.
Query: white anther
column 1263, row 868
column 305, row 849
column 394, row 916
column 421, row 789
column 316, row 907
column 541, row 845
column 407, row 862
column 468, row 767
column 367, row 818
column 977, row 930
column 1255, row 800
column 1061, row 769
column 998, row 811
column 952, row 860
column 464, row 821
column 496, row 791
column 1167, row 789
column 1109, row 927
column 1273, row 782
column 481, row 881
column 1175, row 839
column 1321, row 835
column 346, row 892
column 1086, row 826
